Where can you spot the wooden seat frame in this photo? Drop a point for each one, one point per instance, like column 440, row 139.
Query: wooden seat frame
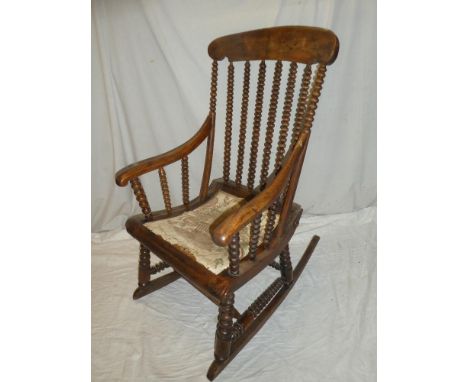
column 273, row 195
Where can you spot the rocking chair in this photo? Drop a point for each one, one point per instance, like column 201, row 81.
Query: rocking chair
column 233, row 229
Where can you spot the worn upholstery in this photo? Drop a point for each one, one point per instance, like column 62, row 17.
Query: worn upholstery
column 189, row 232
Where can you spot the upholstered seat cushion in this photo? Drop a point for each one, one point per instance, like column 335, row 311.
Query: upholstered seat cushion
column 190, row 231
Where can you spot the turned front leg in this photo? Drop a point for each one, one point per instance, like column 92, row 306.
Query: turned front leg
column 144, row 268
column 223, row 338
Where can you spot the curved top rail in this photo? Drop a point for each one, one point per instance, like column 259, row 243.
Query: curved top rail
column 307, row 45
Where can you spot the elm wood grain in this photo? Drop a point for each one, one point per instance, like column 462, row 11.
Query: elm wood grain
column 274, row 193
column 287, row 202
column 215, row 186
column 224, row 327
column 210, row 141
column 185, row 181
column 159, row 267
column 254, row 310
column 249, row 268
column 164, row 280
column 135, row 225
column 211, row 285
column 232, row 188
column 243, row 123
column 301, row 103
column 213, row 86
column 155, row 284
column 204, row 280
column 228, row 129
column 306, row 45
column 223, row 231
column 288, row 101
column 286, row 266
column 254, row 236
column 197, row 275
column 307, row 121
column 234, row 255
column 262, row 301
column 275, row 265
column 270, row 123
column 165, row 189
column 144, row 166
column 273, row 207
column 314, row 96
column 252, row 326
column 256, row 125
column 178, row 210
column 208, row 158
column 144, row 271
column 270, row 224
column 140, row 196
column 240, row 191
column 248, row 194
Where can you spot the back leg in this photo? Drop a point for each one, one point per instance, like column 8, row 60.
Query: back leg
column 144, row 271
column 285, row 266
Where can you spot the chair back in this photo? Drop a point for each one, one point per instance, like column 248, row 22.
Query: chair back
column 307, row 49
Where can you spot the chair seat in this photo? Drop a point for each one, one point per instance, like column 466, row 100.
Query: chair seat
column 190, row 231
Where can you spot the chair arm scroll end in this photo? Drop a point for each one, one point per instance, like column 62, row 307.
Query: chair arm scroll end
column 121, row 179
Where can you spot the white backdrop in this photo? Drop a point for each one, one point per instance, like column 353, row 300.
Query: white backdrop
column 150, row 92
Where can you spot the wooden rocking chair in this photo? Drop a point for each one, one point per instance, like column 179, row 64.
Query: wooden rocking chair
column 233, row 229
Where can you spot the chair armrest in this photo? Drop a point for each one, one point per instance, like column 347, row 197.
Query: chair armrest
column 223, row 231
column 146, row 165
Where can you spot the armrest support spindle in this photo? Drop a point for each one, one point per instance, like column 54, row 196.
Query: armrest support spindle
column 141, row 197
column 234, row 255
column 254, row 236
column 185, row 182
column 165, row 189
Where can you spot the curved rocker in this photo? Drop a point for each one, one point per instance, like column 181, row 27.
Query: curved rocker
column 243, row 222
column 252, row 320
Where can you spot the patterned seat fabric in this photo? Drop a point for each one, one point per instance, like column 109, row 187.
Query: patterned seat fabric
column 190, row 231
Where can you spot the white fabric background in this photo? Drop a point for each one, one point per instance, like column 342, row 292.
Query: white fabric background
column 325, row 330
column 150, row 92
